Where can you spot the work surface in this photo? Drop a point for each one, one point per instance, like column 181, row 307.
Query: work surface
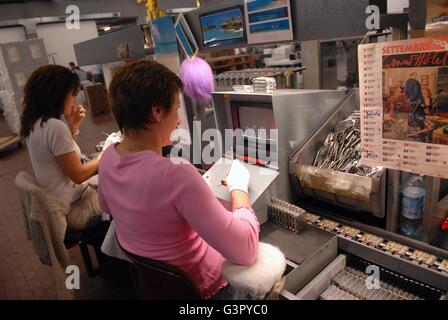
column 296, row 247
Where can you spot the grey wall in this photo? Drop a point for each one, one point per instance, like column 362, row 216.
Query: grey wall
column 127, row 8
column 205, row 3
column 175, row 4
column 417, row 13
column 328, row 19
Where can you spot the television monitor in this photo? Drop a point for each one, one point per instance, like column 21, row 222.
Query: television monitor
column 251, row 118
column 256, row 118
column 223, row 27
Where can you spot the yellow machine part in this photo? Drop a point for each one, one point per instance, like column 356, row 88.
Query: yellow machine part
column 152, row 9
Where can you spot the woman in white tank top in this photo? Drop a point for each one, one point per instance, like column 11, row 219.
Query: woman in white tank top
column 50, row 93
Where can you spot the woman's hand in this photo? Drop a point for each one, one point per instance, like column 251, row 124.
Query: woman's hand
column 238, row 178
column 75, row 118
column 74, row 169
column 98, row 157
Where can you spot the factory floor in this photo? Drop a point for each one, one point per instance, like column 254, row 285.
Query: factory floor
column 22, row 276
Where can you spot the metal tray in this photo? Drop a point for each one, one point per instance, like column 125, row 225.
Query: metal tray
column 373, row 197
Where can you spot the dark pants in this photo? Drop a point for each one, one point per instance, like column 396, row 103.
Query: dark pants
column 230, row 293
column 417, row 115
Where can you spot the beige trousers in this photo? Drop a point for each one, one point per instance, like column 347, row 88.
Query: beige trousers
column 84, row 212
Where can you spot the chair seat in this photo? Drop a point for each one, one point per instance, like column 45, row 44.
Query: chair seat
column 91, row 235
column 157, row 280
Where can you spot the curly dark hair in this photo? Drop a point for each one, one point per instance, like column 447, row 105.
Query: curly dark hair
column 45, row 94
column 136, row 87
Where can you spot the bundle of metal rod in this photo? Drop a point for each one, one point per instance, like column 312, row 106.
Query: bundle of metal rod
column 341, row 150
column 392, row 285
column 286, row 215
column 264, row 85
column 284, row 77
column 355, row 284
column 334, row 293
column 352, row 284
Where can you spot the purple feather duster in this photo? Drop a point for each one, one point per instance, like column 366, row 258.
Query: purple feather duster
column 197, row 78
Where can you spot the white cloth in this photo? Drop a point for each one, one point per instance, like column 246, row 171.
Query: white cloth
column 112, row 139
column 262, row 276
column 110, row 245
column 45, row 143
column 238, row 178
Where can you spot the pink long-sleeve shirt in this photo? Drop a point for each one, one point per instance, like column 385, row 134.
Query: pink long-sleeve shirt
column 167, row 212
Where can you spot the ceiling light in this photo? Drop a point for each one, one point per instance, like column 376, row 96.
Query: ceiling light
column 107, row 28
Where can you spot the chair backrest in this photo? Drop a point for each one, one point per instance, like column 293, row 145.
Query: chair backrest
column 43, row 217
column 156, row 280
column 45, row 224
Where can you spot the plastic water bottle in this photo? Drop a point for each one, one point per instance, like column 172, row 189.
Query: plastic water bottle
column 412, row 202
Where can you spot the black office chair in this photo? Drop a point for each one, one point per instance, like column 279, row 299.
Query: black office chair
column 93, row 236
column 156, row 280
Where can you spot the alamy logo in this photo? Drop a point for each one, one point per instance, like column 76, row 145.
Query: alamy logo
column 373, row 20
column 73, row 280
column 373, row 280
column 72, row 21
column 251, row 144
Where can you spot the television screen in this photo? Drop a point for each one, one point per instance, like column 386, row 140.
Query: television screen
column 256, row 118
column 224, row 27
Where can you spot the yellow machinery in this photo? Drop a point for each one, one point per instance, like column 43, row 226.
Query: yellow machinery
column 152, row 9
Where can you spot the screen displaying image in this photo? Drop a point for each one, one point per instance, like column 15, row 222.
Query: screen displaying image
column 223, row 28
column 270, row 26
column 268, row 21
column 163, row 35
column 255, row 5
column 256, row 118
column 183, row 39
column 268, row 15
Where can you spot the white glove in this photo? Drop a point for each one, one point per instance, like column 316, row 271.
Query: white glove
column 112, row 139
column 238, row 178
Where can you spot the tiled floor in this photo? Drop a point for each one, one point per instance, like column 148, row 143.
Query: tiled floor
column 22, row 276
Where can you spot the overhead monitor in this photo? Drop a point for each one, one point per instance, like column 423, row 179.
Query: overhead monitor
column 223, row 27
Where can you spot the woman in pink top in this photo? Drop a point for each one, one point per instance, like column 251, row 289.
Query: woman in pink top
column 164, row 210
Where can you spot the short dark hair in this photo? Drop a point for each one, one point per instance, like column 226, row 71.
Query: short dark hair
column 138, row 86
column 45, row 93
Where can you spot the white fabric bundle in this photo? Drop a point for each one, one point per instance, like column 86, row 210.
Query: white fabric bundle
column 112, row 139
column 260, row 277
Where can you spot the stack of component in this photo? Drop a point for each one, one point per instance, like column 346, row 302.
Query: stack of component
column 334, row 293
column 390, row 286
column 243, row 88
column 264, row 85
column 283, row 77
column 341, row 150
column 390, row 247
column 286, row 215
column 351, row 284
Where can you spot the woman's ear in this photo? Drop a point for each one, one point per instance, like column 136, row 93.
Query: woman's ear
column 156, row 113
